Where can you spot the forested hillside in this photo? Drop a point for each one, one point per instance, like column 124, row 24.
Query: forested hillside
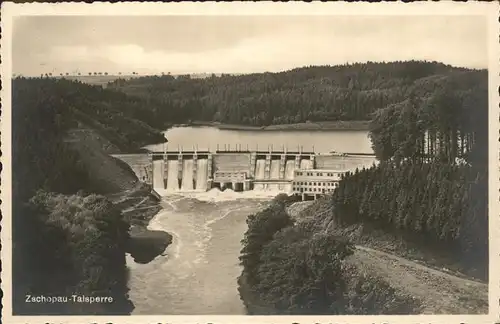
column 429, row 191
column 67, row 238
column 317, row 93
column 128, row 122
column 432, row 182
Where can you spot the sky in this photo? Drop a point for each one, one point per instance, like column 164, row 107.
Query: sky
column 239, row 44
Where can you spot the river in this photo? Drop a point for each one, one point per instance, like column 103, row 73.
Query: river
column 197, row 273
column 207, row 138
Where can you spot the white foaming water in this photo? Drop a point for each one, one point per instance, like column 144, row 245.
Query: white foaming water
column 260, row 168
column 197, row 275
column 201, row 174
column 289, row 169
column 305, row 164
column 187, row 175
column 274, row 173
column 173, row 169
column 158, row 174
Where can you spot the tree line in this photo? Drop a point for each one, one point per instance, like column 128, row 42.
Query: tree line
column 316, row 93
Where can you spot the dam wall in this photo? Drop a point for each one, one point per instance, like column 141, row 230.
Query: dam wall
column 186, row 171
column 140, row 164
column 343, row 162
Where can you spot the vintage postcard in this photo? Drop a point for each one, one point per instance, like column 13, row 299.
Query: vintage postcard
column 250, row 163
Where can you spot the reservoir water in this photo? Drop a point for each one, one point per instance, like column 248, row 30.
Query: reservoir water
column 207, row 138
column 197, row 273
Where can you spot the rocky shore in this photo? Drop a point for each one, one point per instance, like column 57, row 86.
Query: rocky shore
column 308, row 126
column 139, row 206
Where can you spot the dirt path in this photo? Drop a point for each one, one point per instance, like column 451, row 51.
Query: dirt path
column 439, row 292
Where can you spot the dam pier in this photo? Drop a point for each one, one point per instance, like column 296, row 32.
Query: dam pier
column 307, row 173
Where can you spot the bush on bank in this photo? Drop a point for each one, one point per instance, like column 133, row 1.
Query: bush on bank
column 81, row 242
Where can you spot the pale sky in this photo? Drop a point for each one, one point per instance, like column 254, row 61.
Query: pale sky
column 244, row 44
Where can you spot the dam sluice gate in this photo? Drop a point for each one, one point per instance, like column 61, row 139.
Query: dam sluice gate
column 188, row 171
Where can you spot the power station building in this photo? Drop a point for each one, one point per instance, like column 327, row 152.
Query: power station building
column 312, row 183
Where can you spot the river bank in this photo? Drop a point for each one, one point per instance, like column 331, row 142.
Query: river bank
column 139, row 206
column 355, row 125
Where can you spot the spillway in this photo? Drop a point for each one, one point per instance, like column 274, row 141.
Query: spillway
column 305, row 164
column 274, row 173
column 173, row 169
column 201, row 174
column 289, row 169
column 158, row 174
column 187, row 175
column 260, row 169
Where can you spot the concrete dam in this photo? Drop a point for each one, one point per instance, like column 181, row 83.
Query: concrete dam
column 188, row 171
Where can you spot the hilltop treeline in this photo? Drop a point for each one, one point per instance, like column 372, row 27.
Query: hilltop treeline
column 128, row 122
column 294, row 270
column 66, row 241
column 317, row 93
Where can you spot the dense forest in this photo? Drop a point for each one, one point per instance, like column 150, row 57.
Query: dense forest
column 430, row 187
column 294, row 270
column 432, row 181
column 65, row 240
column 317, row 93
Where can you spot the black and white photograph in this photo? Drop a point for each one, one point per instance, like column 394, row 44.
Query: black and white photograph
column 300, row 160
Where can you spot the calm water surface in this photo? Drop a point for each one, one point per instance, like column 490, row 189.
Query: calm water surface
column 207, row 138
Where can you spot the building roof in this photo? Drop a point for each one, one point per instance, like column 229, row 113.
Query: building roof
column 322, row 170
